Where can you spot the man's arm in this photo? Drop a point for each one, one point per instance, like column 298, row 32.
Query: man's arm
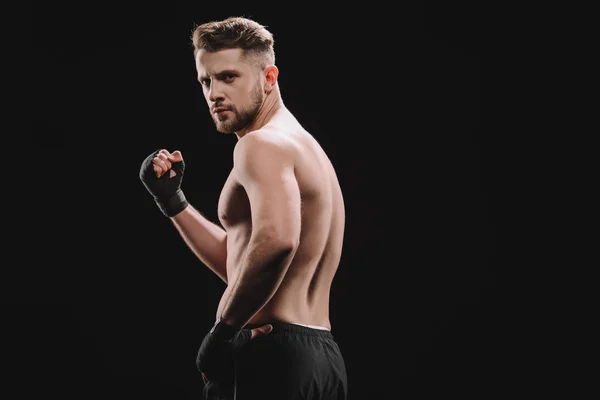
column 161, row 173
column 266, row 171
column 207, row 240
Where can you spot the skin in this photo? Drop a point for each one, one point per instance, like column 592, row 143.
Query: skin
column 279, row 260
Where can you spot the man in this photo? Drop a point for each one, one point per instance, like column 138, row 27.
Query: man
column 282, row 215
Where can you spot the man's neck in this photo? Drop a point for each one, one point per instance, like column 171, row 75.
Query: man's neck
column 271, row 105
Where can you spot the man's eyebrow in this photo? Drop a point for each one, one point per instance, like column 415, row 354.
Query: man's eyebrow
column 220, row 73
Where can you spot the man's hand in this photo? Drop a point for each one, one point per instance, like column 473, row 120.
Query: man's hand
column 163, row 162
column 165, row 188
column 261, row 331
column 219, row 346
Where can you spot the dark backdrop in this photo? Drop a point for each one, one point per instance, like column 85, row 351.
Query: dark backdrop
column 112, row 305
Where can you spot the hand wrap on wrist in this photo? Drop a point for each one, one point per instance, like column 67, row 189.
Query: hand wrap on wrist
column 215, row 356
column 166, row 190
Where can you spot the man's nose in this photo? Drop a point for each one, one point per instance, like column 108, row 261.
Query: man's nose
column 215, row 93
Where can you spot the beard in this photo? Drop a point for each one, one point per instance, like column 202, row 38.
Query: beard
column 242, row 117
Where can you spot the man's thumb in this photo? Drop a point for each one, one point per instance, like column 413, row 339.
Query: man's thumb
column 262, row 330
column 176, row 156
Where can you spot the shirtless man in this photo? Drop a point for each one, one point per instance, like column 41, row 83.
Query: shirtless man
column 282, row 226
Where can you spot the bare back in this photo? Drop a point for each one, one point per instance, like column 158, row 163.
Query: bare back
column 303, row 295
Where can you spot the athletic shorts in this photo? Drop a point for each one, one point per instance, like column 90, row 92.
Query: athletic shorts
column 292, row 362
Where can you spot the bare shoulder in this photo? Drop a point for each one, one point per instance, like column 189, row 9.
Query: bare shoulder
column 263, row 154
column 264, row 145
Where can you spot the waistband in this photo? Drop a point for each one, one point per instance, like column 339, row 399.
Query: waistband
column 286, row 327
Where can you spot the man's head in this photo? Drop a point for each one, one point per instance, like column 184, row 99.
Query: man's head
column 235, row 62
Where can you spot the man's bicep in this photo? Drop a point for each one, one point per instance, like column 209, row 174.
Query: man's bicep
column 275, row 203
column 267, row 175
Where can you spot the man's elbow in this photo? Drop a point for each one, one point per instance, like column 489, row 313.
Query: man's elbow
column 282, row 254
column 284, row 247
column 279, row 240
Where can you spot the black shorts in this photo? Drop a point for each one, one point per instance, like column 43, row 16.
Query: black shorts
column 292, row 362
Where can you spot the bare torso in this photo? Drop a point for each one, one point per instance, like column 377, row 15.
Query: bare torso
column 303, row 296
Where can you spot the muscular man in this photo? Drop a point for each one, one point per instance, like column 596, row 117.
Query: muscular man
column 282, row 226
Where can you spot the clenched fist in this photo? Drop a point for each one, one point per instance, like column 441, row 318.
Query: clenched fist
column 165, row 187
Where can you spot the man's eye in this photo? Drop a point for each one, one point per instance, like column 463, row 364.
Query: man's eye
column 205, row 82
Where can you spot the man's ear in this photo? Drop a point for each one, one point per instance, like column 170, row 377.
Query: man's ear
column 271, row 75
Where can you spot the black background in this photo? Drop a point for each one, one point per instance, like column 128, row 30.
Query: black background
column 112, row 305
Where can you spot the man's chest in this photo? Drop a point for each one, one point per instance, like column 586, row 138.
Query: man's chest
column 234, row 206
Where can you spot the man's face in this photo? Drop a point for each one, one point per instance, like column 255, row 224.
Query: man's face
column 232, row 88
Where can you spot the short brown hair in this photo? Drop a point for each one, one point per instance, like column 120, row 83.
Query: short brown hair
column 253, row 38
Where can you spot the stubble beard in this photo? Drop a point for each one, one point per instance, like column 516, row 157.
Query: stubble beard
column 241, row 118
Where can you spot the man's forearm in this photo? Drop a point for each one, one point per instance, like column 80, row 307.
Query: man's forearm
column 263, row 269
column 207, row 240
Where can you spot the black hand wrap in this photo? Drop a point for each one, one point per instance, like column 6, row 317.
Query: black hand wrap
column 166, row 190
column 216, row 353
